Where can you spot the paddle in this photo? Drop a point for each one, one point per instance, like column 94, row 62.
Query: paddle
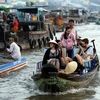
column 94, row 49
column 97, row 59
column 50, row 33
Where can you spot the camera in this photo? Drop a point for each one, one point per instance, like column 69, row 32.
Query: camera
column 79, row 44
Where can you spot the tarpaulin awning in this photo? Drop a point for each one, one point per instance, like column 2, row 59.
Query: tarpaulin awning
column 4, row 8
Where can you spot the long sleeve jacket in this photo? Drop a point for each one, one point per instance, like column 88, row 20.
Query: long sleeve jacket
column 47, row 57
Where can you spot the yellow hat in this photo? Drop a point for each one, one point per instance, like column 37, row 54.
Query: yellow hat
column 71, row 67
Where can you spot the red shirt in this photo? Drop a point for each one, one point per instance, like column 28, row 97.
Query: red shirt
column 15, row 23
column 4, row 17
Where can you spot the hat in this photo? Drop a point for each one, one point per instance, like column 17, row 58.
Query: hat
column 11, row 38
column 71, row 67
column 52, row 41
column 80, row 39
column 85, row 40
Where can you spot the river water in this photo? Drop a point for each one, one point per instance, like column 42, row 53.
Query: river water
column 19, row 85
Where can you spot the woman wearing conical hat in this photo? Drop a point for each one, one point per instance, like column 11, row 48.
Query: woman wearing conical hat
column 51, row 55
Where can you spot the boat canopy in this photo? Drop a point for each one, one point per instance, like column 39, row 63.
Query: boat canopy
column 4, row 8
column 31, row 15
column 32, row 9
column 28, row 10
column 56, row 10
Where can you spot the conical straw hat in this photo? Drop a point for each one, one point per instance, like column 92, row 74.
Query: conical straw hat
column 71, row 67
column 52, row 41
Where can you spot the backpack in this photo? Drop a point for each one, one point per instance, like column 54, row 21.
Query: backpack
column 68, row 43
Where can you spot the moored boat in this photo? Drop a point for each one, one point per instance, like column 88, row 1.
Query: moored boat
column 33, row 31
column 12, row 66
column 98, row 21
column 49, row 79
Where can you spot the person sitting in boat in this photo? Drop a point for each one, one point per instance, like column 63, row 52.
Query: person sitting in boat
column 85, row 53
column 51, row 55
column 67, row 39
column 14, row 50
column 62, row 55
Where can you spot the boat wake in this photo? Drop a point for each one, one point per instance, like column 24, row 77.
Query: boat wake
column 71, row 91
column 74, row 91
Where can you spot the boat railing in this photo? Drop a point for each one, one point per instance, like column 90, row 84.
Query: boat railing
column 38, row 66
column 89, row 65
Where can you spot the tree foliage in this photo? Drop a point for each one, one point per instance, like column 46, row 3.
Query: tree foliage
column 29, row 3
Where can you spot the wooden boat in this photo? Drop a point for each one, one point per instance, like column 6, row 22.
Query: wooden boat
column 91, row 19
column 34, row 30
column 98, row 21
column 57, row 19
column 12, row 66
column 48, row 79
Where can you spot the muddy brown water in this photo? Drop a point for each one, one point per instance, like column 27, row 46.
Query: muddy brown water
column 18, row 85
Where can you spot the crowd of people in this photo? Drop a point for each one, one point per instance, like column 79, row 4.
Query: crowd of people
column 61, row 52
column 14, row 50
column 10, row 22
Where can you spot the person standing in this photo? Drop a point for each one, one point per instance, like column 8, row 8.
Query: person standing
column 15, row 25
column 67, row 39
column 73, row 30
column 4, row 17
column 14, row 50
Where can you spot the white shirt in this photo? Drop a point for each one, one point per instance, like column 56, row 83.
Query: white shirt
column 15, row 51
column 89, row 52
column 75, row 34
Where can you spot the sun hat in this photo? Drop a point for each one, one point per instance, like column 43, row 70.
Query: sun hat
column 82, row 39
column 85, row 40
column 52, row 41
column 71, row 67
column 11, row 38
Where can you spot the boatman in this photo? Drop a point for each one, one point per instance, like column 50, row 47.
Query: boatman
column 14, row 50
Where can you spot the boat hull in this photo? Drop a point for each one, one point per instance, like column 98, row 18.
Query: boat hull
column 63, row 82
column 48, row 79
column 12, row 66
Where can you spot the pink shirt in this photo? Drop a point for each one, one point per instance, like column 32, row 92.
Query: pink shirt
column 69, row 36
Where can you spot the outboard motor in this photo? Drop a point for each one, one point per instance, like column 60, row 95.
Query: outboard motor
column 49, row 71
